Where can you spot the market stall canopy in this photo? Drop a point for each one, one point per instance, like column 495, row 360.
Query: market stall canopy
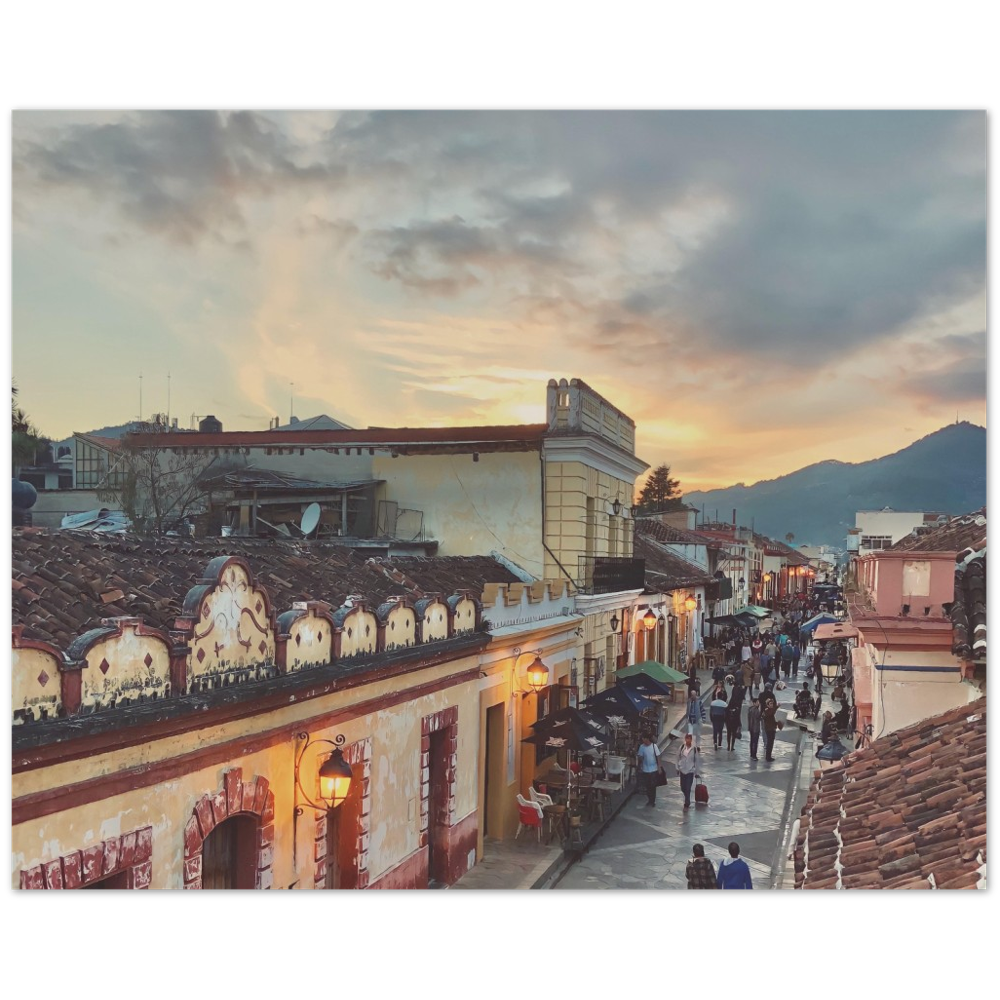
column 754, row 609
column 656, row 670
column 840, row 630
column 644, row 684
column 746, row 618
column 816, row 620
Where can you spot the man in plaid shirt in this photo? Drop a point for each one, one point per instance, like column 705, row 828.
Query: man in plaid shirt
column 700, row 871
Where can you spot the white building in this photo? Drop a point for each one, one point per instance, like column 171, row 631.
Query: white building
column 875, row 530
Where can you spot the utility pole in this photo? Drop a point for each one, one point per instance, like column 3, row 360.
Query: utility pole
column 140, row 397
column 291, row 401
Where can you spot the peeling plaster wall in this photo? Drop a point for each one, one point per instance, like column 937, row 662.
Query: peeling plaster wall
column 167, row 806
column 310, row 642
column 35, row 682
column 233, row 630
column 400, row 628
column 435, row 622
column 359, row 634
column 471, row 507
column 117, row 668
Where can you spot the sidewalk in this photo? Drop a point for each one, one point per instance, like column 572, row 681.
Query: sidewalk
column 526, row 864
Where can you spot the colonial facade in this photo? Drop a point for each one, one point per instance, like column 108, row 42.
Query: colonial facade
column 180, row 747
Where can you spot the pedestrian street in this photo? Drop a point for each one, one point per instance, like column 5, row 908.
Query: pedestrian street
column 648, row 848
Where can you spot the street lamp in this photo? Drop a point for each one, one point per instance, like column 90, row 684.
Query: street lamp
column 537, row 673
column 614, row 623
column 830, row 665
column 616, row 506
column 690, row 603
column 830, row 753
column 334, row 775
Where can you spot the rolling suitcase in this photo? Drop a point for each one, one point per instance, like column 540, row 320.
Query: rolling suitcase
column 701, row 792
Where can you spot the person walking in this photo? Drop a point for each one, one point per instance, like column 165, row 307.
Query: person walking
column 753, row 724
column 747, row 672
column 796, row 656
column 745, row 651
column 648, row 761
column 786, row 659
column 695, row 717
column 717, row 713
column 770, row 652
column 770, row 724
column 733, row 712
column 700, row 871
column 734, row 872
column 687, row 759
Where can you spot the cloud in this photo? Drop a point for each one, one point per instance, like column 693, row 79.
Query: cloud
column 181, row 174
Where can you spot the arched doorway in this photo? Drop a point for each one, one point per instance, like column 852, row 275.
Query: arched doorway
column 229, row 854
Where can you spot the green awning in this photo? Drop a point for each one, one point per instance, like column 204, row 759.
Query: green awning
column 666, row 675
column 755, row 609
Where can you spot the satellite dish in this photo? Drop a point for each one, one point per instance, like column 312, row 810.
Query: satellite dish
column 309, row 519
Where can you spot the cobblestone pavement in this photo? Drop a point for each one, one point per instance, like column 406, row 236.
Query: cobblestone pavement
column 647, row 848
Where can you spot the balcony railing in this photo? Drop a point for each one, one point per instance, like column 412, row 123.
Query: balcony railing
column 609, row 574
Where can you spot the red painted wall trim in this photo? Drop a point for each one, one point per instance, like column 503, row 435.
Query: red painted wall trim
column 410, row 873
column 88, row 746
column 45, row 803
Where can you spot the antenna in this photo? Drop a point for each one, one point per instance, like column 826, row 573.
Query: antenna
column 291, row 401
column 168, row 399
column 140, row 397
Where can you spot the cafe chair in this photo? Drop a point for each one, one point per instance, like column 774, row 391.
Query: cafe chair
column 616, row 769
column 529, row 814
column 540, row 798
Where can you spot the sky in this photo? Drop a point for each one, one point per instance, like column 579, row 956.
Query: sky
column 757, row 290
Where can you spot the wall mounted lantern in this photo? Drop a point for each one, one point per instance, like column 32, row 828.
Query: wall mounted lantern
column 649, row 620
column 616, row 507
column 690, row 603
column 614, row 623
column 537, row 673
column 334, row 775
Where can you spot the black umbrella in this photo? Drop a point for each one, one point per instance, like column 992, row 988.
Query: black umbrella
column 643, row 684
column 569, row 714
column 617, row 701
column 572, row 736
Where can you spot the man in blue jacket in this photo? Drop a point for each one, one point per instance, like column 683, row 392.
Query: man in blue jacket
column 734, row 872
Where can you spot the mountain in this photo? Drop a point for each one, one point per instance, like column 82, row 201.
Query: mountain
column 945, row 471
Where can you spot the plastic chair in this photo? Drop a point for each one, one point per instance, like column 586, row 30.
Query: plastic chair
column 540, row 798
column 529, row 814
column 616, row 769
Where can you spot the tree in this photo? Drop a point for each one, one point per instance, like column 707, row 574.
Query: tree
column 660, row 492
column 789, row 538
column 155, row 486
column 26, row 440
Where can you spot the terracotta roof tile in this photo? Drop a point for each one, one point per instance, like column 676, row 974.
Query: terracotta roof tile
column 665, row 570
column 906, row 812
column 127, row 576
column 967, row 531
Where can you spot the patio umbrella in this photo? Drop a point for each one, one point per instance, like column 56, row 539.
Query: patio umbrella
column 656, row 670
column 642, row 683
column 617, row 700
column 822, row 619
column 571, row 715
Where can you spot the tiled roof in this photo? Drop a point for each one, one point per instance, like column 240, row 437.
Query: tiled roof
column 965, row 532
column 665, row 570
column 491, row 438
column 968, row 612
column 64, row 582
column 792, row 556
column 668, row 533
column 908, row 812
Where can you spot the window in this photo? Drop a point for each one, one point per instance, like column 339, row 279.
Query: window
column 876, row 542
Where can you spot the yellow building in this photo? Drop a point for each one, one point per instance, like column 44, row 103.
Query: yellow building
column 181, row 745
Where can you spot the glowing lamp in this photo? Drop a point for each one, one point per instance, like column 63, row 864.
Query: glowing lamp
column 690, row 603
column 538, row 675
column 649, row 620
column 334, row 779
